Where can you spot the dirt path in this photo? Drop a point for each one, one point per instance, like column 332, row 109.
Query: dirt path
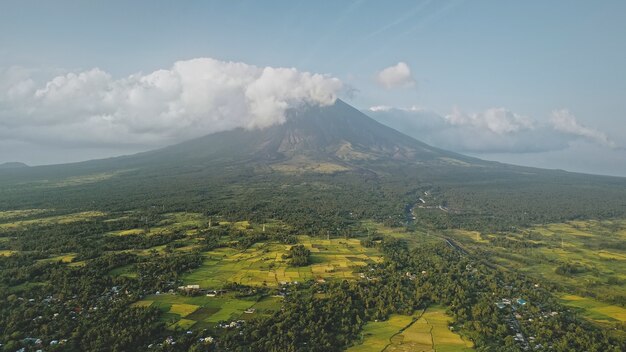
column 404, row 328
column 432, row 338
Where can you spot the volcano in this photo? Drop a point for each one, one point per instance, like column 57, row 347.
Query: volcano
column 325, row 139
column 321, row 162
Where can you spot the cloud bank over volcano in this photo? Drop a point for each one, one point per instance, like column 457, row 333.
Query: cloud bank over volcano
column 195, row 97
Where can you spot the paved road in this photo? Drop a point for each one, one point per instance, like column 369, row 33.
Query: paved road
column 453, row 244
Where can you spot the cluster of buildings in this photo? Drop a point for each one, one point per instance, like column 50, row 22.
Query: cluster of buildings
column 231, row 325
column 518, row 315
column 508, row 302
column 39, row 343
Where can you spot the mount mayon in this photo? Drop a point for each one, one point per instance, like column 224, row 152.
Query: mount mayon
column 316, row 162
column 313, row 139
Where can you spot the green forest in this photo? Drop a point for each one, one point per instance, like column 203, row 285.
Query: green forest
column 76, row 281
column 171, row 252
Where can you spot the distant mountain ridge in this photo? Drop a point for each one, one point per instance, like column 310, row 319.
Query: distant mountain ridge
column 13, row 165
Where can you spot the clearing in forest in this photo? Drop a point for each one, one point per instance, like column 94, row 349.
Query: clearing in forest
column 263, row 264
column 183, row 312
column 428, row 332
column 53, row 220
column 14, row 214
column 595, row 310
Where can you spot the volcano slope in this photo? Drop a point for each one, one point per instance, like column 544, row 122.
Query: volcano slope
column 315, row 169
column 98, row 243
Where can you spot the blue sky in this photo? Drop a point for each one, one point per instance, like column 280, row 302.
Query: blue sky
column 530, row 58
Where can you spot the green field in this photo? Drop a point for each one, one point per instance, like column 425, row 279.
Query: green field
column 426, row 332
column 128, row 232
column 181, row 222
column 125, row 270
column 262, row 264
column 15, row 214
column 376, row 335
column 64, row 258
column 596, row 310
column 51, row 220
column 586, row 259
column 202, row 311
column 434, row 323
column 6, row 252
column 171, row 223
column 186, row 222
column 414, row 237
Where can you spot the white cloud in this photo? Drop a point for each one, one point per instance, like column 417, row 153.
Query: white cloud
column 377, row 108
column 558, row 141
column 397, row 76
column 190, row 99
column 497, row 120
column 494, row 130
column 563, row 121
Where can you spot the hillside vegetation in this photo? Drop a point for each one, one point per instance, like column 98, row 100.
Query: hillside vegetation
column 325, row 233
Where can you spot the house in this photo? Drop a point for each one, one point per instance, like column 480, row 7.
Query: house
column 207, row 340
column 249, row 311
column 189, row 287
